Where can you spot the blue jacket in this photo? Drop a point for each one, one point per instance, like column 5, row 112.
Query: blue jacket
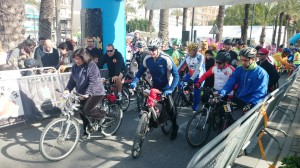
column 161, row 70
column 252, row 85
column 87, row 80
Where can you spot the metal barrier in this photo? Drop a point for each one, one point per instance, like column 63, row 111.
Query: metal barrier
column 223, row 149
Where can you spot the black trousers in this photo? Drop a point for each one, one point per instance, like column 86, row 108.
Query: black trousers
column 90, row 109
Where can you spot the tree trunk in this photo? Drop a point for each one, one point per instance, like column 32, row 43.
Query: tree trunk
column 57, row 17
column 286, row 24
column 150, row 22
column 164, row 26
column 146, row 11
column 246, row 23
column 184, row 19
column 275, row 30
column 177, row 18
column 280, row 28
column 11, row 23
column 262, row 35
column 220, row 22
column 46, row 18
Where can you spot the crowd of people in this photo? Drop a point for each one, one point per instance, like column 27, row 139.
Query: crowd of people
column 244, row 74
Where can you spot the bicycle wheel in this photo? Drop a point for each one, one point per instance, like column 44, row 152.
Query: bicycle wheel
column 166, row 127
column 59, row 139
column 113, row 120
column 125, row 99
column 198, row 129
column 178, row 100
column 140, row 135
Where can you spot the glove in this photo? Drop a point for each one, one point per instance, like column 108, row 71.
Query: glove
column 132, row 85
column 168, row 92
column 197, row 85
column 190, row 82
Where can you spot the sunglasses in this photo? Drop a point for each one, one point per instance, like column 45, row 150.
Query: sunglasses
column 261, row 54
column 109, row 50
column 152, row 49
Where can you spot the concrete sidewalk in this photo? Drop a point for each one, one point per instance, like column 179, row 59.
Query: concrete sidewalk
column 276, row 150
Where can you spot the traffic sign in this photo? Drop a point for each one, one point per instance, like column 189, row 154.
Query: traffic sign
column 214, row 30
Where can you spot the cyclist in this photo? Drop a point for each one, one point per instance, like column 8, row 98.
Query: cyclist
column 195, row 63
column 281, row 59
column 116, row 67
column 262, row 55
column 141, row 53
column 251, row 80
column 161, row 67
column 174, row 52
column 222, row 71
column 85, row 77
column 227, row 44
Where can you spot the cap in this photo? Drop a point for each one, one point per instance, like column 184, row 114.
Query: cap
column 263, row 51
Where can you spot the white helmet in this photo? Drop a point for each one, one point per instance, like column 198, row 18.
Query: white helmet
column 154, row 43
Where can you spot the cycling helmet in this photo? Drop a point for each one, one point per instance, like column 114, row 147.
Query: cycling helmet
column 193, row 47
column 154, row 43
column 176, row 42
column 223, row 57
column 248, row 52
column 240, row 42
column 286, row 50
column 140, row 44
column 227, row 42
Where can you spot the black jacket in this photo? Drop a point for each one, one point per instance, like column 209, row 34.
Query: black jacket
column 115, row 64
column 273, row 74
column 47, row 59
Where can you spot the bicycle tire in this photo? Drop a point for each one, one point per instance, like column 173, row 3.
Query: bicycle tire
column 140, row 134
column 178, row 100
column 197, row 130
column 125, row 99
column 113, row 120
column 140, row 99
column 59, row 141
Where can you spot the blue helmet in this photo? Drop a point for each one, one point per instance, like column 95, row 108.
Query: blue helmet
column 286, row 50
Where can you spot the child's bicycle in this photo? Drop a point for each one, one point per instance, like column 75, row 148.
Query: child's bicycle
column 61, row 135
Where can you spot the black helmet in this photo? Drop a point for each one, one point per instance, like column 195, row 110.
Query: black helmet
column 240, row 42
column 223, row 57
column 227, row 42
column 31, row 63
column 248, row 52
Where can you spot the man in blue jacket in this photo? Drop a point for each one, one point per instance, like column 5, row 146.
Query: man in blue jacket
column 251, row 80
column 161, row 68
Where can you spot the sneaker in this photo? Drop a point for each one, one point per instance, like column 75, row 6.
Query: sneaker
column 86, row 136
column 120, row 96
column 173, row 134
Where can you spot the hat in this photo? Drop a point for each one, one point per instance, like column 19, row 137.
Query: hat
column 137, row 31
column 263, row 51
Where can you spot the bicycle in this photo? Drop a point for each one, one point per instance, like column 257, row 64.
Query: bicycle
column 111, row 88
column 61, row 135
column 152, row 115
column 215, row 113
column 184, row 95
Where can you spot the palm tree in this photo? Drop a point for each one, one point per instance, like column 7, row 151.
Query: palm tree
column 290, row 9
column 280, row 29
column 177, row 13
column 164, row 26
column 129, row 9
column 275, row 29
column 11, row 23
column 184, row 19
column 46, row 18
column 264, row 16
column 246, row 23
column 220, row 22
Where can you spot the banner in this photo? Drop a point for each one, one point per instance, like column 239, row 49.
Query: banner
column 11, row 109
column 166, row 4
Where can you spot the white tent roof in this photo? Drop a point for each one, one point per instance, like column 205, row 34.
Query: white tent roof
column 165, row 4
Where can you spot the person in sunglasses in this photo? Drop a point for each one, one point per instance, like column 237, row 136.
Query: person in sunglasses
column 116, row 66
column 162, row 69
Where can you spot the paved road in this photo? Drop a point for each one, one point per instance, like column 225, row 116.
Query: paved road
column 19, row 147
